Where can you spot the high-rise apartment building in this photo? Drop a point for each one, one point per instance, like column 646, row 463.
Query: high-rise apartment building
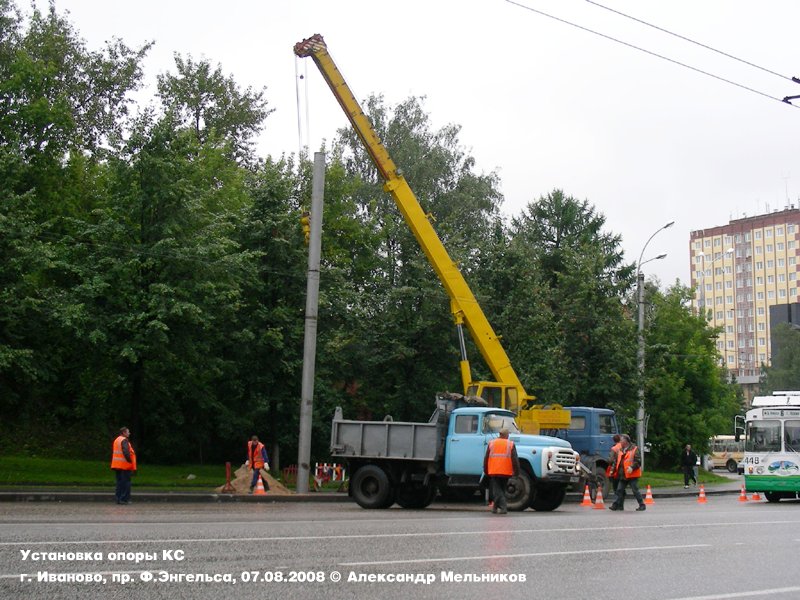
column 738, row 271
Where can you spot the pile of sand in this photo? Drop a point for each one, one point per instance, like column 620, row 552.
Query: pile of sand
column 243, row 476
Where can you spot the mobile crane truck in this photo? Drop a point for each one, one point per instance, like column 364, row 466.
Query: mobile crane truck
column 507, row 391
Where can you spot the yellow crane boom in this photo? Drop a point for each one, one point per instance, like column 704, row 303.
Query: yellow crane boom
column 507, row 390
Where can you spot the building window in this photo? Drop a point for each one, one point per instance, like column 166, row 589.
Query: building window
column 769, row 248
column 741, row 343
column 739, row 313
column 739, row 328
column 792, row 261
column 791, row 245
column 770, row 279
column 762, row 326
column 719, row 299
column 758, row 235
column 730, row 314
column 707, row 243
column 738, row 238
column 729, row 299
column 719, row 285
column 759, row 249
column 760, row 311
column 790, row 229
column 770, row 264
column 749, row 296
column 762, row 357
column 747, row 237
column 762, row 342
column 782, row 293
column 750, row 344
column 717, row 242
column 719, row 345
column 698, row 245
column 779, row 231
column 729, row 329
column 728, row 270
column 771, row 295
column 719, row 315
column 698, row 259
column 718, row 271
column 759, row 295
column 759, row 280
column 792, row 276
column 782, row 277
column 768, row 233
column 779, row 245
column 730, row 359
column 730, row 343
column 792, row 291
column 781, row 262
column 740, row 297
column 759, row 266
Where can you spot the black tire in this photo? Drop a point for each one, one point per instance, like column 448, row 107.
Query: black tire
column 772, row 496
column 731, row 466
column 518, row 493
column 548, row 498
column 371, row 488
column 415, row 496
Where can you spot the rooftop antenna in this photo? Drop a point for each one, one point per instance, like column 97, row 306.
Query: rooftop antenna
column 786, row 187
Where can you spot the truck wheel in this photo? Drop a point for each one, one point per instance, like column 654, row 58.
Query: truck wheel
column 518, row 492
column 547, row 498
column 772, row 496
column 731, row 466
column 415, row 496
column 371, row 488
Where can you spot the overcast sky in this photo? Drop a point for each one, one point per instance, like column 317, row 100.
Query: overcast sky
column 543, row 103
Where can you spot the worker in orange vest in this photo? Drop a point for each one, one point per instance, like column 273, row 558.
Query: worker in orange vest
column 257, row 459
column 500, row 463
column 629, row 469
column 123, row 462
column 611, row 469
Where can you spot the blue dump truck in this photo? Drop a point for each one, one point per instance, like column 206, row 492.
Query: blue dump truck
column 408, row 463
column 590, row 434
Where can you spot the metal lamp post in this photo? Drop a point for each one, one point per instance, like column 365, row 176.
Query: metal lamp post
column 640, row 354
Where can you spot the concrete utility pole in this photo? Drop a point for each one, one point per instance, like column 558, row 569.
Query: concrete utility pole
column 312, row 310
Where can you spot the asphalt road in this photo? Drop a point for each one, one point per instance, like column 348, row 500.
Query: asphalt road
column 676, row 550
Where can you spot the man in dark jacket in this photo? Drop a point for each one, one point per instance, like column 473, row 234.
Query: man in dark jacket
column 688, row 461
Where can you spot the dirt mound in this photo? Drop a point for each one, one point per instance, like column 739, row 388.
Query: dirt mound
column 243, row 476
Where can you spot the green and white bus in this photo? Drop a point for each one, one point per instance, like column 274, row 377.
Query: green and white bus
column 772, row 446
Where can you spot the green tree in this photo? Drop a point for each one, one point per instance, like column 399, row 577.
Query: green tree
column 212, row 105
column 569, row 333
column 402, row 348
column 687, row 392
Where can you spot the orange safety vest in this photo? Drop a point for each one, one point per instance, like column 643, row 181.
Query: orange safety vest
column 118, row 458
column 500, row 458
column 626, row 458
column 256, row 455
column 611, row 470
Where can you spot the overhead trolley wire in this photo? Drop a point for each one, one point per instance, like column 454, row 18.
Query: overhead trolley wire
column 691, row 41
column 650, row 52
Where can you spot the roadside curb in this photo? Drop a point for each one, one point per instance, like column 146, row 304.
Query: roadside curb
column 167, row 497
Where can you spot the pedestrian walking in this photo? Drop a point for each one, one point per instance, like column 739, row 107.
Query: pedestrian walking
column 688, row 464
column 257, row 460
column 629, row 470
column 123, row 463
column 500, row 463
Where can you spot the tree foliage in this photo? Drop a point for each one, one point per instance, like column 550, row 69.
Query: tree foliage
column 784, row 371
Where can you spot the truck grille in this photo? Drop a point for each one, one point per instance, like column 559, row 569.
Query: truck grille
column 565, row 459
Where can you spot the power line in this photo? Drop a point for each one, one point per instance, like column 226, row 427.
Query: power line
column 650, row 52
column 691, row 41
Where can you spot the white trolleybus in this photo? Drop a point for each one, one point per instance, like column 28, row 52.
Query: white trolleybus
column 771, row 462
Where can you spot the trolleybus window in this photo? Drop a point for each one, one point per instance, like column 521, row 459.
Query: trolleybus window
column 792, row 436
column 763, row 436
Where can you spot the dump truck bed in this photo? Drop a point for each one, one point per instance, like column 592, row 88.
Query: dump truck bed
column 386, row 439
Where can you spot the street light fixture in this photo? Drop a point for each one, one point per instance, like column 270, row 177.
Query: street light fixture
column 640, row 354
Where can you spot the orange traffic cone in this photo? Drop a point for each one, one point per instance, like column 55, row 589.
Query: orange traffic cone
column 598, row 503
column 701, row 499
column 259, row 491
column 648, row 497
column 587, row 498
column 743, row 495
column 756, row 497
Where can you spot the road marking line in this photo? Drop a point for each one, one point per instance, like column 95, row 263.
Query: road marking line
column 742, row 594
column 525, row 555
column 397, row 535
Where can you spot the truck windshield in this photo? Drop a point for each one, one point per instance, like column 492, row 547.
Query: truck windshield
column 494, row 423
